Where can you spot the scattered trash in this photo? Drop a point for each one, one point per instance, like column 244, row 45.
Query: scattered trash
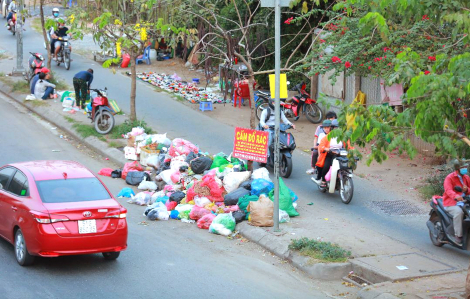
column 401, row 268
column 310, row 204
column 56, row 151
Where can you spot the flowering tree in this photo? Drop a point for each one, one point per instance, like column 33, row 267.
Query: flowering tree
column 422, row 46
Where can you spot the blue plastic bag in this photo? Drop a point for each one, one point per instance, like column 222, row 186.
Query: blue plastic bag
column 162, row 199
column 293, row 195
column 175, row 214
column 261, row 186
column 126, row 192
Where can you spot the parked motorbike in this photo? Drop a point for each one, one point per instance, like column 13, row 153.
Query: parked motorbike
column 63, row 56
column 36, row 63
column 300, row 103
column 341, row 177
column 286, row 147
column 100, row 112
column 12, row 24
column 441, row 223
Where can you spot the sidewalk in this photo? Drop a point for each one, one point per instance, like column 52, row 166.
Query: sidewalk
column 369, row 248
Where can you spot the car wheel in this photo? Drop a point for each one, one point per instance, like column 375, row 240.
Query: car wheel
column 110, row 256
column 21, row 251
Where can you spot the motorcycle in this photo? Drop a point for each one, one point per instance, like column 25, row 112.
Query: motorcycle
column 441, row 223
column 63, row 56
column 100, row 112
column 300, row 103
column 36, row 63
column 12, row 24
column 341, row 177
column 286, row 147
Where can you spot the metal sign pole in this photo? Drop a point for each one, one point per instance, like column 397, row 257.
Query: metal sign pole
column 277, row 107
column 19, row 70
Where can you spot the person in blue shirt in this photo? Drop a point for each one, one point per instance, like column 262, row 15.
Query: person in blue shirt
column 81, row 83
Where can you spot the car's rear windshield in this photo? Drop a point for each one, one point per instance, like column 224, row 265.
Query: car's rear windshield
column 72, row 190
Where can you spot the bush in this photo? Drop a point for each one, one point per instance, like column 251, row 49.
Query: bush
column 127, row 126
column 435, row 183
column 325, row 251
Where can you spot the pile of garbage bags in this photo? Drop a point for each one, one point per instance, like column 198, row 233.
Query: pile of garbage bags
column 214, row 191
column 190, row 91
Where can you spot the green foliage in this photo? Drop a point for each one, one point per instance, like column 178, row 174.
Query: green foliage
column 21, row 86
column 320, row 250
column 127, row 126
column 87, row 131
column 435, row 183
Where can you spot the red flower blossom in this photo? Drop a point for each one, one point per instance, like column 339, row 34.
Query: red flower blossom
column 347, row 64
column 326, row 67
column 362, row 64
column 427, row 72
column 389, row 64
column 335, row 59
column 322, row 41
column 428, row 37
column 316, row 74
column 288, row 20
column 369, row 67
column 425, row 17
column 432, row 58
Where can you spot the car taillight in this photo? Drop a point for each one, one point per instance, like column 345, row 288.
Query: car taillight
column 123, row 213
column 44, row 218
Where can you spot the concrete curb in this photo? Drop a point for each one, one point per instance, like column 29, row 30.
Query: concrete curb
column 332, row 271
column 59, row 121
column 370, row 293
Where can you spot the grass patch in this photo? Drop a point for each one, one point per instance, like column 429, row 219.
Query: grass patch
column 36, row 24
column 2, row 74
column 114, row 144
column 59, row 84
column 39, row 103
column 69, row 119
column 21, row 86
column 323, row 251
column 127, row 126
column 87, row 131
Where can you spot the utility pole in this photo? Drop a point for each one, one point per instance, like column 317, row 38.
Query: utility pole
column 19, row 69
column 277, row 4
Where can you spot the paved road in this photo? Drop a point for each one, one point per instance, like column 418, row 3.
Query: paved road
column 164, row 260
column 178, row 120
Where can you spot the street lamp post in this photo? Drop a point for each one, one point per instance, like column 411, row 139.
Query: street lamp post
column 19, row 69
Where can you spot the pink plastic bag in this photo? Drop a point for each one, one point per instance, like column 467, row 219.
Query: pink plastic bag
column 105, row 171
column 198, row 212
column 175, row 177
column 328, row 175
column 131, row 166
column 205, row 221
column 180, row 147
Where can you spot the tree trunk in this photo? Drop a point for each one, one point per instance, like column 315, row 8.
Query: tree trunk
column 251, row 81
column 314, row 87
column 133, row 115
column 44, row 34
column 467, row 284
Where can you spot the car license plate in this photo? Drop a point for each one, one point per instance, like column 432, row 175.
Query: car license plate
column 87, row 226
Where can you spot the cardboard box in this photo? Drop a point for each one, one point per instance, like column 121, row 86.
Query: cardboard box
column 131, row 141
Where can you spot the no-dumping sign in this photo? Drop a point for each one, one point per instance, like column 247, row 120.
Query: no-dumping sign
column 251, row 145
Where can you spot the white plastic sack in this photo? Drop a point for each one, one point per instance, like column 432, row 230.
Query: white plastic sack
column 147, row 185
column 283, row 217
column 225, row 172
column 141, row 199
column 201, row 201
column 261, row 173
column 152, row 161
column 177, row 162
column 137, row 131
column 182, row 208
column 157, row 211
column 233, row 180
column 156, row 195
column 166, row 176
column 68, row 102
column 161, row 139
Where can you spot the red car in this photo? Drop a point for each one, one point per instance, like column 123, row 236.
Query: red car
column 56, row 208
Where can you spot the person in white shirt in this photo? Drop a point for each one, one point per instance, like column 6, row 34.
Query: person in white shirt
column 268, row 119
column 44, row 89
column 11, row 9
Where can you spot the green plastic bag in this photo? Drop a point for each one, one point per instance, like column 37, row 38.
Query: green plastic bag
column 285, row 199
column 223, row 224
column 219, row 160
column 185, row 214
column 66, row 94
column 244, row 201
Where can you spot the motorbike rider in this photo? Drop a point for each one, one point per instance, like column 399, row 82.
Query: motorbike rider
column 268, row 119
column 453, row 200
column 331, row 115
column 11, row 11
column 61, row 31
column 325, row 158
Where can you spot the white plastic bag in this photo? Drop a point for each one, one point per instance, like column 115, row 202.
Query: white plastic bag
column 261, row 173
column 283, row 217
column 201, row 201
column 177, row 162
column 68, row 102
column 137, row 131
column 152, row 161
column 182, row 208
column 141, row 198
column 166, row 176
column 147, row 185
column 157, row 211
column 233, row 180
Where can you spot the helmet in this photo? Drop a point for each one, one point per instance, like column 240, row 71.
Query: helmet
column 326, row 123
column 55, row 9
column 458, row 164
column 334, row 123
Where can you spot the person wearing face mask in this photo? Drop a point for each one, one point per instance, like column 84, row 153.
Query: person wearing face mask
column 60, row 32
column 453, row 200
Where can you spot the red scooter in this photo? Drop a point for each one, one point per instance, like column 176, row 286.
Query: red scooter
column 294, row 106
column 36, row 63
column 100, row 111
